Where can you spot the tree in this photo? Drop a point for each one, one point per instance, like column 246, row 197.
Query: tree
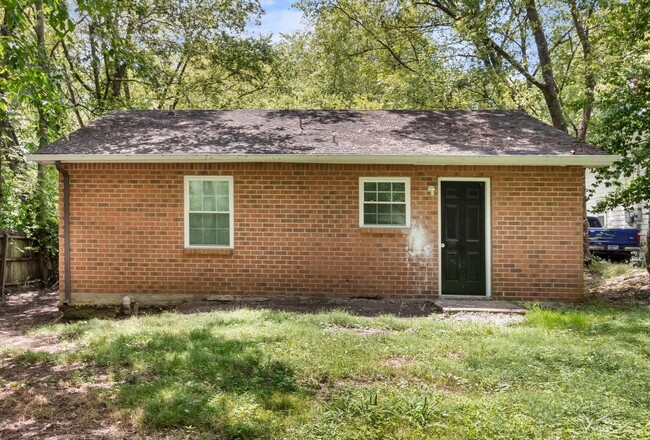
column 517, row 51
column 30, row 87
column 158, row 53
column 623, row 124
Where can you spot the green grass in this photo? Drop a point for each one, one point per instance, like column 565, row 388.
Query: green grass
column 605, row 270
column 567, row 373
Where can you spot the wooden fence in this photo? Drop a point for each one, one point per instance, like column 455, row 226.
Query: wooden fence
column 19, row 262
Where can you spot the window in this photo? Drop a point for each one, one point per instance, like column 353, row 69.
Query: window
column 384, row 202
column 209, row 212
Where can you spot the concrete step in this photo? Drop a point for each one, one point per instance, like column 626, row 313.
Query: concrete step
column 446, row 305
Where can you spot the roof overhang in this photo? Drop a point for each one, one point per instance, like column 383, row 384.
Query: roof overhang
column 587, row 161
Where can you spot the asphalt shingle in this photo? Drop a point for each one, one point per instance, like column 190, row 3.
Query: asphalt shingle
column 307, row 132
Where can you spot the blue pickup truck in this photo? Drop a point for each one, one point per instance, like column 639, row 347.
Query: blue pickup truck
column 612, row 243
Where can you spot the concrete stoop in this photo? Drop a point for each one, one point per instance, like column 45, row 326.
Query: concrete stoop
column 446, row 305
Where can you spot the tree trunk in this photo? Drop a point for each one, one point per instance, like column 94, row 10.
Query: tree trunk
column 549, row 87
column 94, row 63
column 41, row 216
column 586, row 252
column 589, row 77
column 118, row 78
column 647, row 246
column 491, row 51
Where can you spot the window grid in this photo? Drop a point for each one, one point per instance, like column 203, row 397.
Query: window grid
column 384, row 202
column 208, row 208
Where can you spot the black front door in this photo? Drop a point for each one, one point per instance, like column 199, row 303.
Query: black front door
column 463, row 238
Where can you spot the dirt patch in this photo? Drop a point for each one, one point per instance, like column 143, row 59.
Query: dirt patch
column 396, row 361
column 40, row 399
column 486, row 318
column 47, row 400
column 631, row 288
column 24, row 311
column 357, row 306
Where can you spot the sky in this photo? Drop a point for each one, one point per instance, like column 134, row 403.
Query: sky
column 279, row 17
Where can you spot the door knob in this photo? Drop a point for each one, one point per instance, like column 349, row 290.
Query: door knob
column 442, row 245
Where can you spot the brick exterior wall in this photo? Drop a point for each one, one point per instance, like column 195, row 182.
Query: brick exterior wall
column 297, row 233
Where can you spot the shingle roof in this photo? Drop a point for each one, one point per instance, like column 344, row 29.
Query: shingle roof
column 279, row 132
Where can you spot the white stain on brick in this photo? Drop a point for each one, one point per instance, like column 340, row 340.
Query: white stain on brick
column 419, row 245
column 419, row 253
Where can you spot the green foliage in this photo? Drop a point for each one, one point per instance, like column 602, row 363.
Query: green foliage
column 32, row 111
column 624, row 129
column 569, row 373
column 623, row 124
column 23, row 204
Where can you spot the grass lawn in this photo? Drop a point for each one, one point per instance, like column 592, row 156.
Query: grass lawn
column 569, row 373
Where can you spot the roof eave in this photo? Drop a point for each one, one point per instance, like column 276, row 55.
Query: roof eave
column 587, row 161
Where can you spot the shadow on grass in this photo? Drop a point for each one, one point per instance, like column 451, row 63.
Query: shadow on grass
column 42, row 398
column 225, row 386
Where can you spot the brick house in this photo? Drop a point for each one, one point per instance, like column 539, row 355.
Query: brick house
column 167, row 206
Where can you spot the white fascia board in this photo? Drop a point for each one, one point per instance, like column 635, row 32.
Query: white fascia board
column 587, row 161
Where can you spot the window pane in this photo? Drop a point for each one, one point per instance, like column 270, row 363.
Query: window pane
column 209, row 203
column 383, row 196
column 399, row 209
column 370, row 219
column 383, row 186
column 399, row 197
column 223, row 221
column 370, row 186
column 196, row 236
column 209, row 236
column 222, row 188
column 196, row 203
column 209, row 188
column 384, row 219
column 196, row 188
column 196, row 221
column 222, row 203
column 370, row 197
column 399, row 186
column 370, row 208
column 383, row 209
column 209, row 221
column 223, row 237
column 399, row 219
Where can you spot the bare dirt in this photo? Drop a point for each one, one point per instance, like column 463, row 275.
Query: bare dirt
column 43, row 399
column 356, row 306
column 24, row 311
column 397, row 361
column 631, row 288
column 486, row 318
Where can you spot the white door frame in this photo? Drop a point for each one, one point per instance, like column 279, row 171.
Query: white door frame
column 488, row 234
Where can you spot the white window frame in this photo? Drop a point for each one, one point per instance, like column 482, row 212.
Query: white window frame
column 407, row 198
column 231, row 205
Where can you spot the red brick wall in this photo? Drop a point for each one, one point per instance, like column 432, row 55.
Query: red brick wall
column 297, row 232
